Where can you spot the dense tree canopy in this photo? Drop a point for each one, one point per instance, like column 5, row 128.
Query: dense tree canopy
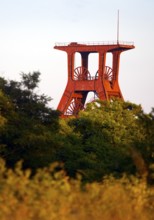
column 108, row 137
column 30, row 125
column 112, row 138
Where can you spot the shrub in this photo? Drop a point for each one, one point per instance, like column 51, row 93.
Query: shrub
column 51, row 195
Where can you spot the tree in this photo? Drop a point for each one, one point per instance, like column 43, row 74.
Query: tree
column 109, row 134
column 29, row 133
column 147, row 146
column 108, row 137
column 4, row 107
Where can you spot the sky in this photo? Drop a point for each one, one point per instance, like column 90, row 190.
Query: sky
column 29, row 30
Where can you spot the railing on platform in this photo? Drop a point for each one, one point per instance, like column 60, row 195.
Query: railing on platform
column 87, row 78
column 91, row 43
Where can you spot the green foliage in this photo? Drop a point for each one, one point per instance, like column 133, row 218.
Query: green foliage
column 30, row 80
column 31, row 125
column 147, row 146
column 116, row 119
column 105, row 145
column 108, row 137
column 3, row 104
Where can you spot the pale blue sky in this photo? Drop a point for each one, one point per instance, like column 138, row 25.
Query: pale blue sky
column 30, row 28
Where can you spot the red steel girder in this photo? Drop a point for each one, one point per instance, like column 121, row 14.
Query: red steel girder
column 80, row 82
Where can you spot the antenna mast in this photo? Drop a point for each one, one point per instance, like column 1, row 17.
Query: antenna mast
column 118, row 27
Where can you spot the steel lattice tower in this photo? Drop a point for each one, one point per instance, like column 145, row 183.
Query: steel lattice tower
column 80, row 82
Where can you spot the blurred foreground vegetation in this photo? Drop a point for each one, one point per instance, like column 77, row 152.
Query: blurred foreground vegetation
column 50, row 195
column 105, row 158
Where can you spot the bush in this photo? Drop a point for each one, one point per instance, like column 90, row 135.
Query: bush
column 51, row 195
